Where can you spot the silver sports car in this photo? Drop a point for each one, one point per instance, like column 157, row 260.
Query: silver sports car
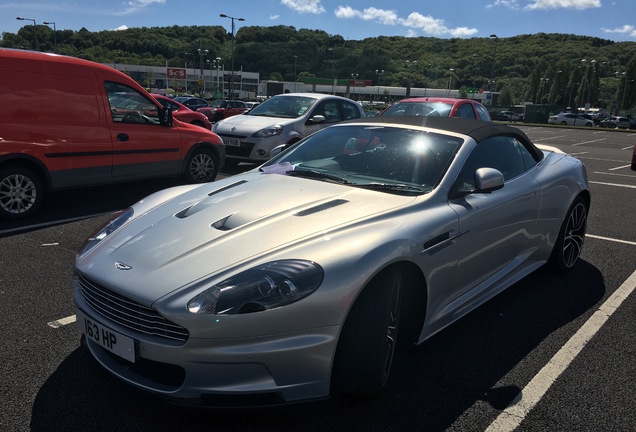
column 297, row 279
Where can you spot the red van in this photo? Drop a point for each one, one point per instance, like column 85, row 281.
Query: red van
column 66, row 122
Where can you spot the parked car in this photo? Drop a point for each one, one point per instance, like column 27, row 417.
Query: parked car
column 220, row 109
column 570, row 119
column 183, row 113
column 194, row 103
column 251, row 104
column 296, row 280
column 105, row 129
column 444, row 107
column 510, row 116
column 616, row 122
column 281, row 121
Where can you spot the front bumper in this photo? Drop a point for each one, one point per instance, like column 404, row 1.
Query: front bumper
column 261, row 371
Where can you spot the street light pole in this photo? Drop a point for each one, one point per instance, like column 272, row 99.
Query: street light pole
column 494, row 63
column 232, row 76
column 35, row 33
column 379, row 72
column 295, row 59
column 450, row 79
column 202, row 54
column 54, row 34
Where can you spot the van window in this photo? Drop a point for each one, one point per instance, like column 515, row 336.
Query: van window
column 127, row 105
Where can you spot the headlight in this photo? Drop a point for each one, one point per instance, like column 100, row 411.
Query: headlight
column 265, row 287
column 269, row 132
column 106, row 230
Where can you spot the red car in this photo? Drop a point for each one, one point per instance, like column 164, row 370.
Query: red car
column 439, row 107
column 220, row 109
column 183, row 113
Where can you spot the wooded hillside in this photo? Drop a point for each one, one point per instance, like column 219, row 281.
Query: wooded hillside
column 539, row 68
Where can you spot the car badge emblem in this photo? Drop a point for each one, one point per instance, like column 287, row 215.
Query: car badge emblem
column 122, row 266
column 233, row 129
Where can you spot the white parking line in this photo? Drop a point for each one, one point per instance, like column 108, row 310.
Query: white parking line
column 615, row 175
column 62, row 322
column 614, row 184
column 611, row 239
column 588, row 142
column 516, row 412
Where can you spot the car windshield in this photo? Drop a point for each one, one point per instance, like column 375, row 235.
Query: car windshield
column 218, row 104
column 284, row 107
column 386, row 158
column 438, row 109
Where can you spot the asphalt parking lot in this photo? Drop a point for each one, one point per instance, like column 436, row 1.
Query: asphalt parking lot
column 551, row 353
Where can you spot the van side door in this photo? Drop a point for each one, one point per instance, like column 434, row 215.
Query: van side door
column 142, row 147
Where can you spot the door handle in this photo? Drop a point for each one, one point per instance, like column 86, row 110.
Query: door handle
column 122, row 137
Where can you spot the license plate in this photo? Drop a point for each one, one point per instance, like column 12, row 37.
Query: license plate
column 232, row 142
column 110, row 340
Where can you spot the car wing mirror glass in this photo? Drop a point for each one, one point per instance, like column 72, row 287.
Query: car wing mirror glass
column 165, row 117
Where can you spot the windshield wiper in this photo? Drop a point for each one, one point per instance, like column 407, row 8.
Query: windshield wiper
column 318, row 175
column 401, row 187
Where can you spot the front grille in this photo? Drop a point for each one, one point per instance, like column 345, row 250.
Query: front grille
column 129, row 313
column 244, row 150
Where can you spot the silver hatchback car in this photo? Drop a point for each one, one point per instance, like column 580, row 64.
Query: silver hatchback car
column 281, row 121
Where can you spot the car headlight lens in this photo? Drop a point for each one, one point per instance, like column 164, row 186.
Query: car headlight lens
column 261, row 288
column 106, row 229
column 269, row 132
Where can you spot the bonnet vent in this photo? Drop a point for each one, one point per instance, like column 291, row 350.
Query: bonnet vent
column 321, row 207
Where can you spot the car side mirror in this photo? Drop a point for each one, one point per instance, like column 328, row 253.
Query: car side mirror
column 488, row 180
column 276, row 150
column 317, row 119
column 165, row 117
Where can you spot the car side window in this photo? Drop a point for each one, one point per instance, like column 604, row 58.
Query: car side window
column 482, row 112
column 330, row 110
column 129, row 106
column 349, row 111
column 503, row 153
column 465, row 110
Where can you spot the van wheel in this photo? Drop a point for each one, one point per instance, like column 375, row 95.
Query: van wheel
column 21, row 192
column 368, row 339
column 202, row 166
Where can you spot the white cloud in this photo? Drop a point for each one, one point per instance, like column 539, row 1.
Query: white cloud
column 415, row 21
column 274, row 17
column 627, row 29
column 510, row 4
column 122, row 27
column 144, row 3
column 563, row 4
column 387, row 17
column 304, row 6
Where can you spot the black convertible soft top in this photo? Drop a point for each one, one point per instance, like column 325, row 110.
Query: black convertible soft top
column 476, row 129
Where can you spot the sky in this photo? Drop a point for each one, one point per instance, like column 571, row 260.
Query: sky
column 352, row 19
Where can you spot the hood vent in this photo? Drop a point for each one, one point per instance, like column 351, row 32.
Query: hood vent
column 321, row 207
column 186, row 211
column 223, row 189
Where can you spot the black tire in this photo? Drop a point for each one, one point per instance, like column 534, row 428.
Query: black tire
column 563, row 123
column 21, row 193
column 569, row 244
column 202, row 166
column 368, row 339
